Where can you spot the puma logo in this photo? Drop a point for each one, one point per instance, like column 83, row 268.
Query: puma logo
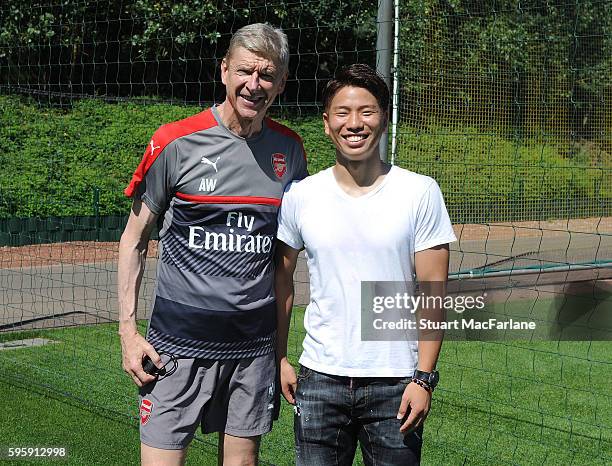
column 213, row 164
column 153, row 147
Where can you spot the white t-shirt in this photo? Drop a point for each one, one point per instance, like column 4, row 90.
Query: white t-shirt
column 353, row 239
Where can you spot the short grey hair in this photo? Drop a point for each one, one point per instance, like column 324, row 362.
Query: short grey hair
column 264, row 40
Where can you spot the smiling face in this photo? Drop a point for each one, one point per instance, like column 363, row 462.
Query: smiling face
column 355, row 123
column 252, row 82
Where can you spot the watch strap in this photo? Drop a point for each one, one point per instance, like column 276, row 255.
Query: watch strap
column 429, row 378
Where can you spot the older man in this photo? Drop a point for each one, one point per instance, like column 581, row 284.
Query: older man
column 214, row 181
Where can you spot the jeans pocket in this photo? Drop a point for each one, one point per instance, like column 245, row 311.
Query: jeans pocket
column 304, row 373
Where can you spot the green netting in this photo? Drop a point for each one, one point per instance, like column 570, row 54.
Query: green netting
column 506, row 104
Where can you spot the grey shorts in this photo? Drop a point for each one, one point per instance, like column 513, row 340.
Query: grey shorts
column 238, row 397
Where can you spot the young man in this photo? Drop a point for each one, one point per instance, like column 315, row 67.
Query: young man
column 360, row 220
column 215, row 181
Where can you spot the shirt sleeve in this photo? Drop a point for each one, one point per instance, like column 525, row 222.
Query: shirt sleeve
column 288, row 214
column 433, row 225
column 157, row 185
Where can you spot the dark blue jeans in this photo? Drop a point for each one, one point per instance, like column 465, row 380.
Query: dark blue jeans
column 333, row 413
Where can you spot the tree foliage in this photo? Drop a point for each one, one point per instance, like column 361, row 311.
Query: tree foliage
column 548, row 62
column 171, row 49
column 543, row 60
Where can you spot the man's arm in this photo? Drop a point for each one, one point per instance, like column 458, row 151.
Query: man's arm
column 132, row 255
column 286, row 260
column 432, row 268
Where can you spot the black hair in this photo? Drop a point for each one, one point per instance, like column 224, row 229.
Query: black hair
column 358, row 75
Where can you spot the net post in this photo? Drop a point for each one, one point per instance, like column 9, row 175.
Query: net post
column 395, row 90
column 384, row 49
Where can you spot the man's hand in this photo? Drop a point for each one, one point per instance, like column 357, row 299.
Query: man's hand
column 419, row 401
column 288, row 380
column 133, row 348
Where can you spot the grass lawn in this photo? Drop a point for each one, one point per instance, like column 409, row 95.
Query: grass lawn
column 91, row 435
column 497, row 403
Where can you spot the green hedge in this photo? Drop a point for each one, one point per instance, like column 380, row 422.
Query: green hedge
column 497, row 179
column 53, row 161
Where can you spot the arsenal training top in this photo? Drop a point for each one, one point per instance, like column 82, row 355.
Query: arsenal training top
column 218, row 195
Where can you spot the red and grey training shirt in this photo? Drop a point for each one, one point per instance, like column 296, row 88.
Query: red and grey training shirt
column 219, row 195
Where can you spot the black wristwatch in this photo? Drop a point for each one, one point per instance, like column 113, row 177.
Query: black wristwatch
column 430, row 378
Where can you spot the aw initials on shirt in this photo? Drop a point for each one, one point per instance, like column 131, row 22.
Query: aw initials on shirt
column 207, row 184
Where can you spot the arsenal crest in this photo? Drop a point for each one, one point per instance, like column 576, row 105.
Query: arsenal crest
column 279, row 164
column 146, row 406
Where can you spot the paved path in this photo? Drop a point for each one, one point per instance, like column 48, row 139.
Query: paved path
column 73, row 294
